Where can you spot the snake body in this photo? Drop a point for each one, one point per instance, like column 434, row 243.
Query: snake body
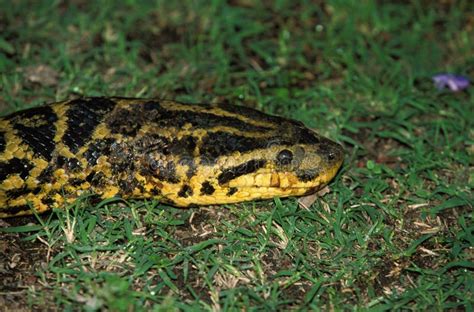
column 180, row 154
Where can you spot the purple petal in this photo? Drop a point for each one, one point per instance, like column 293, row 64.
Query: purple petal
column 453, row 82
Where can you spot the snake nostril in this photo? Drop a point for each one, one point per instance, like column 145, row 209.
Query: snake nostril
column 332, row 155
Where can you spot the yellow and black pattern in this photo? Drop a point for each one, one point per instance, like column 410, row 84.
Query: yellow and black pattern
column 181, row 154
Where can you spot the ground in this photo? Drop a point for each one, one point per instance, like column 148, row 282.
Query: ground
column 394, row 231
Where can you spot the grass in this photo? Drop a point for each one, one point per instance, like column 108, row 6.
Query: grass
column 396, row 230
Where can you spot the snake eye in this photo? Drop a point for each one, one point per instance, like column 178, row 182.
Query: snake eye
column 284, row 157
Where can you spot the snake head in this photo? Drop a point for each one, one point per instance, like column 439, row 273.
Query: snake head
column 233, row 153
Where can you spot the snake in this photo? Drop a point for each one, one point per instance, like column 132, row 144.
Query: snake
column 181, row 154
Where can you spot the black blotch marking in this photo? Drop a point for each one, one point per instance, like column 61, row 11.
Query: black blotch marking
column 207, row 188
column 155, row 192
column 97, row 149
column 152, row 106
column 240, row 170
column 83, row 117
column 69, row 164
column 41, row 137
column 307, row 175
column 13, row 210
column 304, row 135
column 162, row 117
column 126, row 122
column 217, row 144
column 154, row 143
column 75, row 182
column 185, row 191
column 46, row 175
column 22, row 192
column 3, row 142
column 18, row 166
column 184, row 146
column 251, row 113
column 49, row 201
column 96, row 179
column 36, row 190
column 232, row 191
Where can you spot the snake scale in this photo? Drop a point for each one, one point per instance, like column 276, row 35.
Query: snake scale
column 181, row 154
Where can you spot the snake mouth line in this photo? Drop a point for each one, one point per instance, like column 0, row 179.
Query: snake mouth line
column 290, row 190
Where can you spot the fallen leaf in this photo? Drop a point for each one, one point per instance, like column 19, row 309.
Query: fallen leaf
column 42, row 74
column 306, row 201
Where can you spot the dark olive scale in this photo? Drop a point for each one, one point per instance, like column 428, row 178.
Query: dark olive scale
column 124, row 122
column 207, row 188
column 76, row 182
column 22, row 191
column 96, row 179
column 83, row 117
column 240, row 170
column 307, row 175
column 15, row 210
column 21, row 167
column 46, row 175
column 36, row 127
column 232, row 191
column 71, row 164
column 185, row 191
column 216, row 144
